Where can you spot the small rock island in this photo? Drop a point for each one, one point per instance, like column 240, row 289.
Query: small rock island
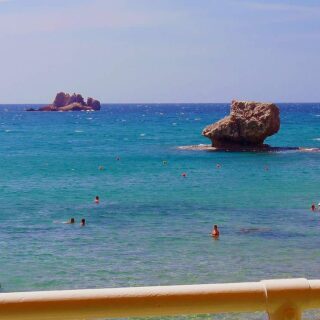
column 247, row 126
column 66, row 102
column 245, row 129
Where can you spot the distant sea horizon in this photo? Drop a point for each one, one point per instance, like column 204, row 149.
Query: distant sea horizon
column 162, row 103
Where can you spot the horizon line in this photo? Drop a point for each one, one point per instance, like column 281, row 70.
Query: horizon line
column 163, row 103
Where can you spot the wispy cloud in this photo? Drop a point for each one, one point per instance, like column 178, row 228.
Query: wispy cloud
column 93, row 15
column 290, row 8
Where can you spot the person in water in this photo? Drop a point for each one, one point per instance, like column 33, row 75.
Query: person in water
column 97, row 200
column 71, row 221
column 83, row 222
column 313, row 207
column 215, row 232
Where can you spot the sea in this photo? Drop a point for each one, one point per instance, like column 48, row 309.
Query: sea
column 152, row 225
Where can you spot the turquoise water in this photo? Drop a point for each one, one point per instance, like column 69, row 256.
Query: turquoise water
column 152, row 225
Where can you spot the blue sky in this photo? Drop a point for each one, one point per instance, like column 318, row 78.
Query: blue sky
column 160, row 50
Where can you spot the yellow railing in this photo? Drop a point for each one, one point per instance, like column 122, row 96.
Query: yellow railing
column 282, row 299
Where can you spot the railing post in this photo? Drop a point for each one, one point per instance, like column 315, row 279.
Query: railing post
column 286, row 313
column 285, row 299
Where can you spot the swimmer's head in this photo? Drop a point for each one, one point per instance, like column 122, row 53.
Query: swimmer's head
column 83, row 222
column 215, row 226
column 72, row 220
column 97, row 197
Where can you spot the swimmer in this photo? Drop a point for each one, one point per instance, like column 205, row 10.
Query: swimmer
column 218, row 165
column 97, row 200
column 184, row 174
column 215, row 232
column 101, row 168
column 71, row 221
column 164, row 162
column 313, row 207
column 266, row 168
column 83, row 222
column 117, row 158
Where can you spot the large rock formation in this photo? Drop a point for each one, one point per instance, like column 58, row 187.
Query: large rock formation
column 66, row 102
column 247, row 126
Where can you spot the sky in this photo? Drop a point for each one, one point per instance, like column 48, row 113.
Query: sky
column 144, row 51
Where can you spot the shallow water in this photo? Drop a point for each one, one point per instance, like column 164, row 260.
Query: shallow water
column 152, row 225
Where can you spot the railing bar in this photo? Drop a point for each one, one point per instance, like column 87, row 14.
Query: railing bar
column 277, row 297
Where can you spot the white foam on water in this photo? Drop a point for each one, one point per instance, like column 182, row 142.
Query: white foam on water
column 78, row 131
column 316, row 139
column 142, row 134
column 174, row 123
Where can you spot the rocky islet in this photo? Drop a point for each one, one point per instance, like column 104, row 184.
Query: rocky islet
column 66, row 102
column 247, row 126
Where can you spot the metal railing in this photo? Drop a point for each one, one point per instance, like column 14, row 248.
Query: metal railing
column 281, row 299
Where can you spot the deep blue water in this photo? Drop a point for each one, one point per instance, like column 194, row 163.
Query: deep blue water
column 152, row 225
